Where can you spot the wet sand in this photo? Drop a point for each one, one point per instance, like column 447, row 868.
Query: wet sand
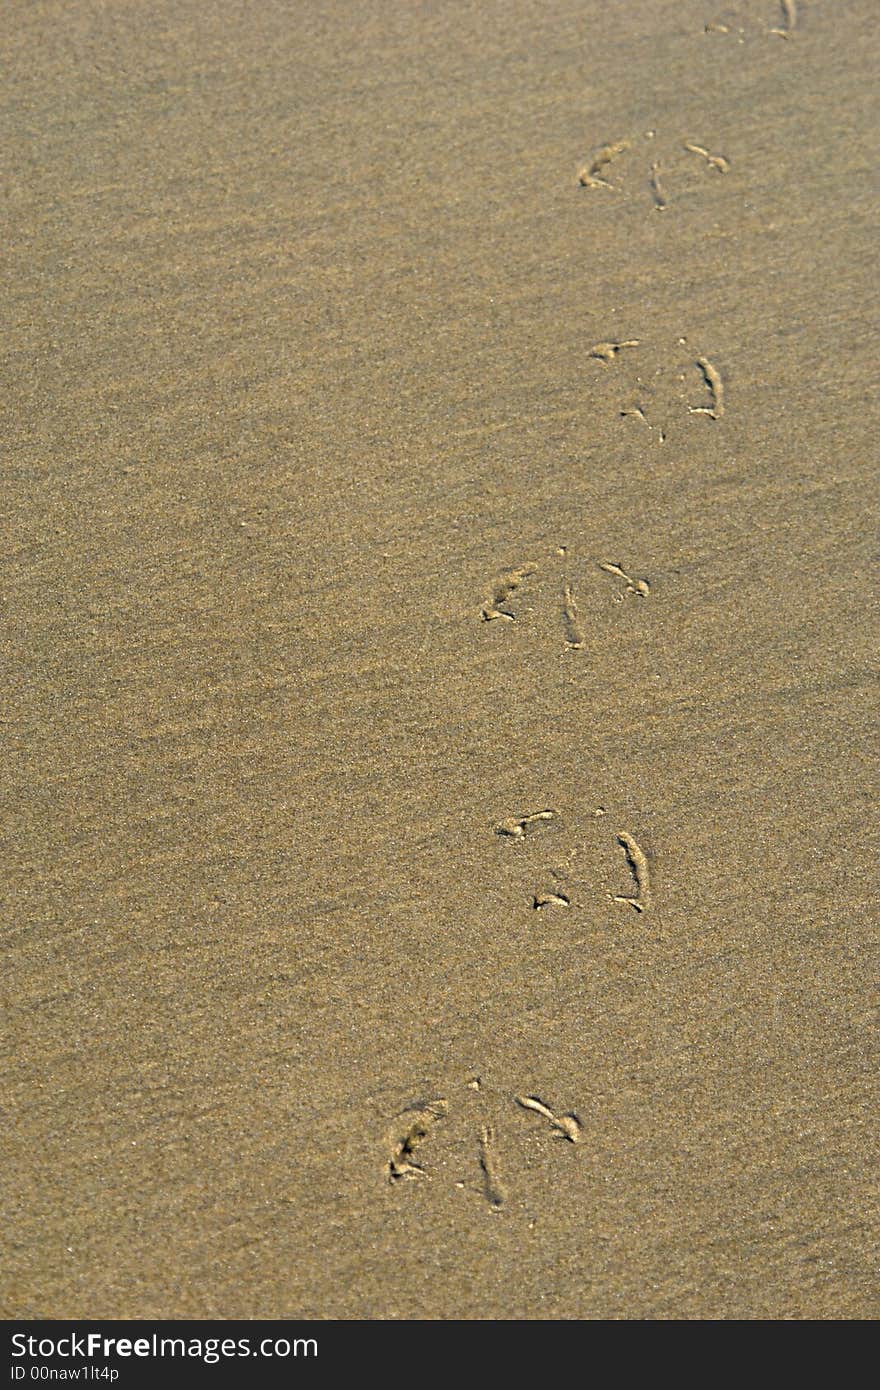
column 299, row 312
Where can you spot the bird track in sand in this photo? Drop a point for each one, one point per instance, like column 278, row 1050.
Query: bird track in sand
column 787, row 23
column 668, row 159
column 411, row 1126
column 574, row 626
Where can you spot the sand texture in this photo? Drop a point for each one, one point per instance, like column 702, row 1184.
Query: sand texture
column 438, row 581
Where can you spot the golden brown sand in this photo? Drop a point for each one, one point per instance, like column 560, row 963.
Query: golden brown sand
column 315, row 341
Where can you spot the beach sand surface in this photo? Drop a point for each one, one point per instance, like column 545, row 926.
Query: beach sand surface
column 305, row 375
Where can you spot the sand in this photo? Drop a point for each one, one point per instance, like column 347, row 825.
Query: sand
column 302, row 304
